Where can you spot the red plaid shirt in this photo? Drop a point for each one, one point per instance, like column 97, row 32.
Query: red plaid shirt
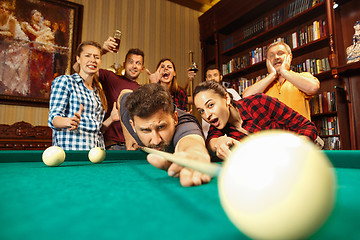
column 180, row 99
column 262, row 112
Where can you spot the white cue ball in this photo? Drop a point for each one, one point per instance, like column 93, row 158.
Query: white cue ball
column 97, row 155
column 53, row 156
column 277, row 185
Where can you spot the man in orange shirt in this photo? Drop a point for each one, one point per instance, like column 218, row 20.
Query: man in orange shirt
column 293, row 89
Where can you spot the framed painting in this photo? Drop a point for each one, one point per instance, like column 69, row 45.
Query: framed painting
column 38, row 39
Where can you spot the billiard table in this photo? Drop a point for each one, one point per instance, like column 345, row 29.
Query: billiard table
column 124, row 197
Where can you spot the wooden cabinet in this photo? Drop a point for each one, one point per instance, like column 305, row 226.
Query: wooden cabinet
column 350, row 75
column 345, row 16
column 235, row 35
column 24, row 136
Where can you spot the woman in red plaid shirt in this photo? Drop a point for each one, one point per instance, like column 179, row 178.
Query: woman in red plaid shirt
column 232, row 120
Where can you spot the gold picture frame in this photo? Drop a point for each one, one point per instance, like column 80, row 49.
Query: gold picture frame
column 39, row 49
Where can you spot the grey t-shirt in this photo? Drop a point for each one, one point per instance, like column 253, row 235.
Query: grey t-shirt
column 187, row 124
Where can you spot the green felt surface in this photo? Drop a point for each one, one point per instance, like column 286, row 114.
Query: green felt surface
column 126, row 198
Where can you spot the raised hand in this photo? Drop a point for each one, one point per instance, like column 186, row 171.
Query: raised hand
column 155, row 77
column 75, row 120
column 191, row 74
column 110, row 45
column 285, row 66
column 114, row 113
column 223, row 145
column 270, row 67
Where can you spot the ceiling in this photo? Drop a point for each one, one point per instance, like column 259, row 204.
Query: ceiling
column 198, row 5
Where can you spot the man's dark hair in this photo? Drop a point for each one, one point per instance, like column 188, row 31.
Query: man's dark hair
column 135, row 51
column 147, row 100
column 212, row 67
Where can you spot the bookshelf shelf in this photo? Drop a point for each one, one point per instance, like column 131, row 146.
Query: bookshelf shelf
column 273, row 32
column 324, row 75
column 311, row 46
column 319, row 115
column 253, row 67
column 333, row 135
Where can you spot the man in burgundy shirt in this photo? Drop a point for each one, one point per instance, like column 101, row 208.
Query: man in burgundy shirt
column 113, row 84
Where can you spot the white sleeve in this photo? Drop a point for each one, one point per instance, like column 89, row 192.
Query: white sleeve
column 235, row 95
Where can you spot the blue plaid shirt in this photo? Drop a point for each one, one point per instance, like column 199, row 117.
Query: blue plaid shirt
column 67, row 92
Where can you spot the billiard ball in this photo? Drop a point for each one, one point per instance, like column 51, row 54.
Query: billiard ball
column 277, row 185
column 97, row 155
column 53, row 156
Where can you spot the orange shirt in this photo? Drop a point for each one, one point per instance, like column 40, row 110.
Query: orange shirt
column 291, row 95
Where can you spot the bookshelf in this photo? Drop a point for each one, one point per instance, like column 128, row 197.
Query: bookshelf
column 235, row 34
column 324, row 114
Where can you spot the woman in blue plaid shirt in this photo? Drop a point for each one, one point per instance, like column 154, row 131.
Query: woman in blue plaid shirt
column 78, row 104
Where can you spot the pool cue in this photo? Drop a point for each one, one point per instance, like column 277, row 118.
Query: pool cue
column 211, row 169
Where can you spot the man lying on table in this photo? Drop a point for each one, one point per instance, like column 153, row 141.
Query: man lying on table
column 149, row 118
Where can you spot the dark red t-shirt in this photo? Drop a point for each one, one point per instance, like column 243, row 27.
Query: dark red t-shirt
column 113, row 85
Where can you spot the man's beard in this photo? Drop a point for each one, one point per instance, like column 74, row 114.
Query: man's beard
column 161, row 146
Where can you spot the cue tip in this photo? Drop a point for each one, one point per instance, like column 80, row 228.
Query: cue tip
column 211, row 169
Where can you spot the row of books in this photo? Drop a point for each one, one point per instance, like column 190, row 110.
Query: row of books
column 306, row 34
column 260, row 26
column 235, row 64
column 254, row 56
column 298, row 6
column 323, row 103
column 242, row 83
column 268, row 22
column 327, row 126
column 314, row 66
column 298, row 38
column 277, row 17
column 228, row 43
column 332, row 143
